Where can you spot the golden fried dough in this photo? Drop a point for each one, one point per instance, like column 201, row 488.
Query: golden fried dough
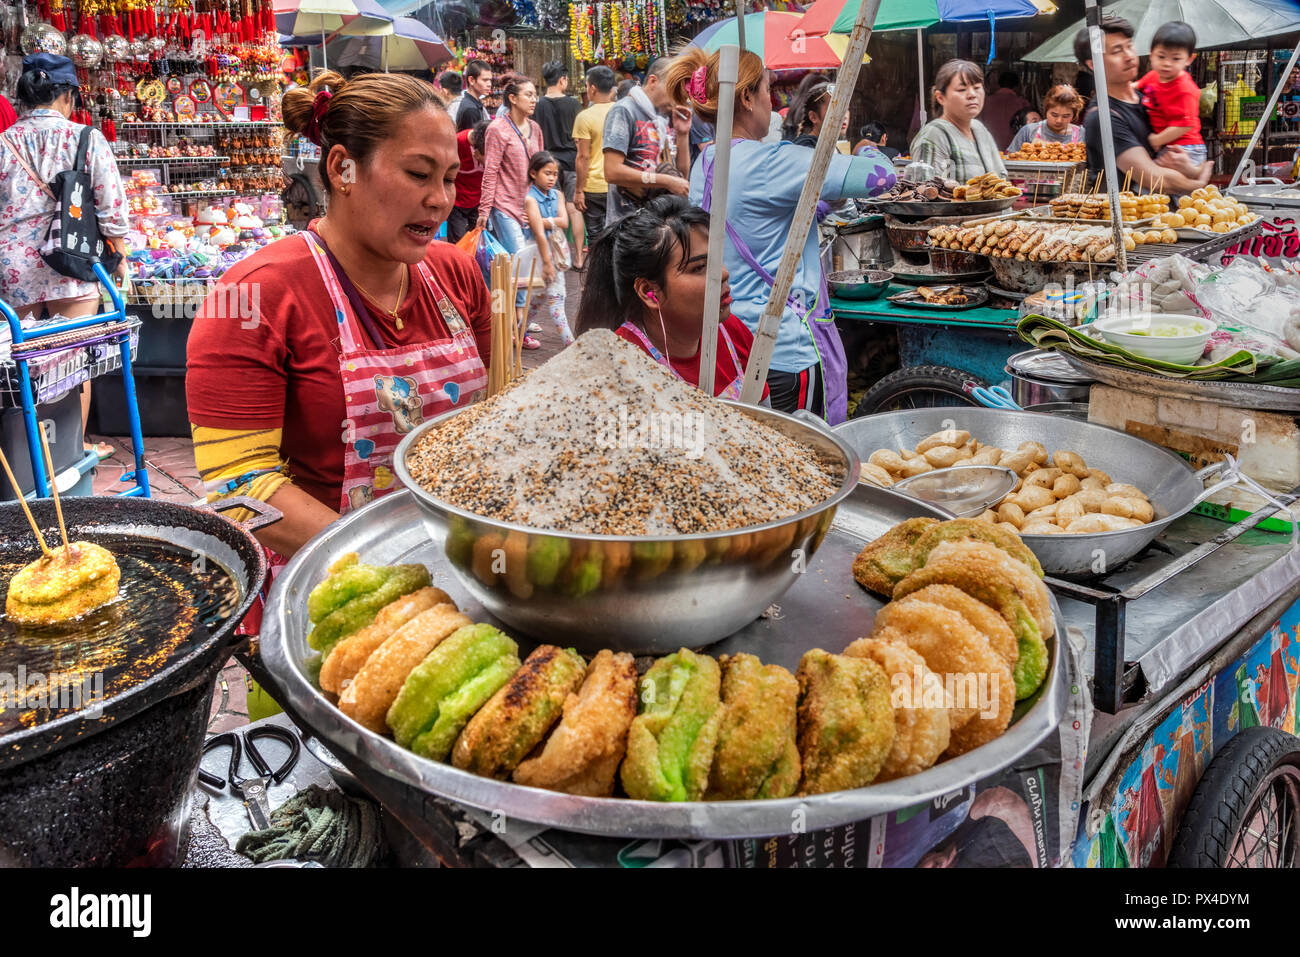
column 985, row 619
column 967, row 663
column 377, row 684
column 882, row 563
column 960, row 529
column 921, row 720
column 1028, row 586
column 583, row 752
column 348, row 656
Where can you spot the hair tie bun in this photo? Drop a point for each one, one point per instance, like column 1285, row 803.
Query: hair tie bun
column 311, row 132
column 697, row 86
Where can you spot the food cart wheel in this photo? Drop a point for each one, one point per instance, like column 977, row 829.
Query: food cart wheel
column 300, row 201
column 919, row 387
column 1246, row 809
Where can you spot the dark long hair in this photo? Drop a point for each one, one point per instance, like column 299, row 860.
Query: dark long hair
column 812, row 90
column 645, row 245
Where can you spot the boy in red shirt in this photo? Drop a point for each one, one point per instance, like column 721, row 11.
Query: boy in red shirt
column 1170, row 95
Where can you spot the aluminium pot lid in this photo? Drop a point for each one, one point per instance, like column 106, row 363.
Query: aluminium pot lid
column 1046, row 365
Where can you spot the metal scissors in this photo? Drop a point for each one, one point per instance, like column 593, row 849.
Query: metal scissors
column 252, row 790
column 995, row 397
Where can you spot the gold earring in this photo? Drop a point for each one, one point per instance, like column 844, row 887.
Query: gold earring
column 346, row 189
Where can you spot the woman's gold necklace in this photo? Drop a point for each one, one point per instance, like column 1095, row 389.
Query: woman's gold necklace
column 401, row 294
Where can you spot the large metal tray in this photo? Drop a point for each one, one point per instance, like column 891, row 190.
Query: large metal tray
column 1263, row 398
column 942, row 207
column 826, row 609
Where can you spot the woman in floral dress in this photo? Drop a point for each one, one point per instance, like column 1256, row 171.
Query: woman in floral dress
column 42, row 144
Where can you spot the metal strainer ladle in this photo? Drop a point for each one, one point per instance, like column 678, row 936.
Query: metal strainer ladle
column 964, row 490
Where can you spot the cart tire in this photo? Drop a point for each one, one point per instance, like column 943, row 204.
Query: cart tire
column 918, row 387
column 1255, row 775
column 300, row 196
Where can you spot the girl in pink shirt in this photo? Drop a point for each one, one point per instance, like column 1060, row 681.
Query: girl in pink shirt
column 510, row 142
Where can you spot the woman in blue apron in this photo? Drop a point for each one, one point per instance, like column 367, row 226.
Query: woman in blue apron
column 645, row 280
column 808, row 368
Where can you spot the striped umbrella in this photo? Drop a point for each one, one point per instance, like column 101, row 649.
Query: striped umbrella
column 300, row 17
column 837, row 16
column 767, row 34
column 403, row 44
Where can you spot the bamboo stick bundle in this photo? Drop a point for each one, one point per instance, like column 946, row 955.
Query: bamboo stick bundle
column 500, row 366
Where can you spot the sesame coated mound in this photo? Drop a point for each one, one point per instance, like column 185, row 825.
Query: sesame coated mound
column 603, row 440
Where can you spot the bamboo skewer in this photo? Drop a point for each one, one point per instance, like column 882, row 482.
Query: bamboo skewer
column 1128, row 176
column 54, row 488
column 22, row 500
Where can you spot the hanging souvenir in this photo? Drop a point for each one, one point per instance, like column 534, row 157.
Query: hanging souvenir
column 85, row 51
column 201, row 91
column 175, row 85
column 43, row 38
column 185, row 107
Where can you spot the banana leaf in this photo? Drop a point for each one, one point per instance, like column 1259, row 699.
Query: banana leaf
column 1241, row 366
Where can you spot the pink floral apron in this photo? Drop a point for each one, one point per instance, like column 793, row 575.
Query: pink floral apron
column 732, row 391
column 388, row 393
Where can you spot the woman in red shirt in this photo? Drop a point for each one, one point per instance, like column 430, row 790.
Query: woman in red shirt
column 645, row 280
column 313, row 357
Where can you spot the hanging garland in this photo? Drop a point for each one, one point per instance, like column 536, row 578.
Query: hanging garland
column 600, row 31
column 581, row 30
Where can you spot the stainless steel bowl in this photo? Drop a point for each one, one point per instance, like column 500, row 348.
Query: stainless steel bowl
column 859, row 284
column 1169, row 482
column 1041, row 376
column 642, row 594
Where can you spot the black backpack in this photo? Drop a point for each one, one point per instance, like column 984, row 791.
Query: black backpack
column 74, row 243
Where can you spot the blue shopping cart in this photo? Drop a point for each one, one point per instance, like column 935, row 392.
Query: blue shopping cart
column 78, row 345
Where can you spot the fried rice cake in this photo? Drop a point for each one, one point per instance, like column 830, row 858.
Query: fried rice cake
column 69, row 582
column 376, row 686
column 517, row 717
column 756, row 755
column 963, row 529
column 846, row 721
column 347, row 657
column 887, row 560
column 583, row 752
column 984, row 618
column 967, row 664
column 921, row 722
column 988, row 575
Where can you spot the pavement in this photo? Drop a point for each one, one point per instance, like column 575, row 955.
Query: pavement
column 173, row 477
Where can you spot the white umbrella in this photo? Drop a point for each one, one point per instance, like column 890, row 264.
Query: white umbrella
column 1218, row 23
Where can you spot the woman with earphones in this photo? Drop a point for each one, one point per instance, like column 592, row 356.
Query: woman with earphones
column 807, row 114
column 645, row 280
